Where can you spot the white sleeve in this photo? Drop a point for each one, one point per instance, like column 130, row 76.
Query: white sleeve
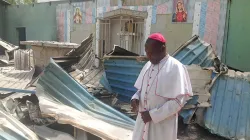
column 168, row 109
column 136, row 95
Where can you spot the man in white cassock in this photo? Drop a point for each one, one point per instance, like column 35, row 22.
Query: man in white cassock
column 163, row 88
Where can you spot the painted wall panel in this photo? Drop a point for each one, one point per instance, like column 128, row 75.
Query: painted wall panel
column 175, row 33
column 209, row 22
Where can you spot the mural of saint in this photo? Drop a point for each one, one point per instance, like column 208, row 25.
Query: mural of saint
column 78, row 16
column 180, row 14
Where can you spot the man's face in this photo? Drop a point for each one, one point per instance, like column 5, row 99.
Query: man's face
column 153, row 55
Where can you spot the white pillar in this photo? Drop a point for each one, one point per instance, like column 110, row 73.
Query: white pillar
column 97, row 38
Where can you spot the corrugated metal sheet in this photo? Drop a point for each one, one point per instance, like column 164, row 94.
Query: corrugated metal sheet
column 84, row 47
column 80, row 58
column 9, row 47
column 83, row 120
column 12, row 129
column 6, row 51
column 195, row 51
column 57, row 84
column 23, row 59
column 90, row 76
column 122, row 71
column 85, row 52
column 229, row 115
column 14, row 79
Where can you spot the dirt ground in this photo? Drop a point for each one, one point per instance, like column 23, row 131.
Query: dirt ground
column 195, row 132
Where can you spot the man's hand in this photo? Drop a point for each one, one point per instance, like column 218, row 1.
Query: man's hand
column 135, row 105
column 146, row 117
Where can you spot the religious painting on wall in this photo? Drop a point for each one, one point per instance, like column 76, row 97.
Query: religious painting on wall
column 179, row 11
column 77, row 16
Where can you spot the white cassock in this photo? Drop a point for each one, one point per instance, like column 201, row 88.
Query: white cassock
column 162, row 90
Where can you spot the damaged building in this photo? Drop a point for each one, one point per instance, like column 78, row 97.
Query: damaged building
column 71, row 98
column 60, row 87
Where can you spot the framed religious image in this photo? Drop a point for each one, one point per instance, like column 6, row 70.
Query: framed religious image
column 179, row 11
column 77, row 15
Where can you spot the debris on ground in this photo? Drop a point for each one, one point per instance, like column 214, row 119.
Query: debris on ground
column 68, row 98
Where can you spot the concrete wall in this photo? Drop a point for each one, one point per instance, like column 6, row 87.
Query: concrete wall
column 175, row 33
column 39, row 21
column 2, row 19
column 80, row 32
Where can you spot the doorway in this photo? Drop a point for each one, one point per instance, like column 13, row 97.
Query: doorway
column 21, row 34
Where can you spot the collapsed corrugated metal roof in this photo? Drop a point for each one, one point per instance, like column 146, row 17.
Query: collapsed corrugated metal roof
column 55, row 83
column 83, row 120
column 12, row 129
column 83, row 48
column 118, row 51
column 80, row 58
column 196, row 51
column 86, row 54
column 122, row 71
column 15, row 79
column 6, row 51
column 9, row 47
column 229, row 115
column 25, row 108
column 117, row 125
column 23, row 59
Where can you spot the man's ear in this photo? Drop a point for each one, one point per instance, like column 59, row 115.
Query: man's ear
column 163, row 47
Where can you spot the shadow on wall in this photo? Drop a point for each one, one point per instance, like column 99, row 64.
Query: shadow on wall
column 175, row 33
